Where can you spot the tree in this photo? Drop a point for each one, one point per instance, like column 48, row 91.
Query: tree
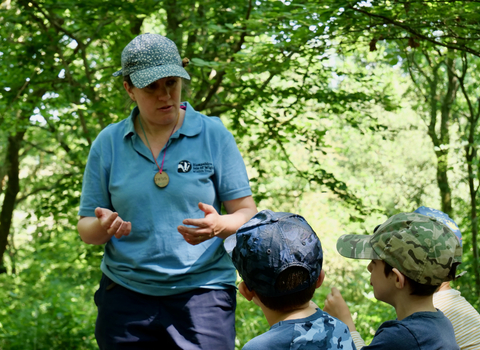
column 69, row 50
column 431, row 72
column 447, row 24
column 433, row 37
column 471, row 114
column 283, row 76
column 60, row 60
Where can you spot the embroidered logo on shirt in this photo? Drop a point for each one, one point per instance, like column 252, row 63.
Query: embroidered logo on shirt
column 203, row 167
column 184, row 166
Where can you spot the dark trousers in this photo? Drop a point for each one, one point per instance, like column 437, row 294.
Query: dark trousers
column 200, row 319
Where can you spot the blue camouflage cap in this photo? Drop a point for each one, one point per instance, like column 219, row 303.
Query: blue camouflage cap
column 270, row 243
column 150, row 57
column 443, row 218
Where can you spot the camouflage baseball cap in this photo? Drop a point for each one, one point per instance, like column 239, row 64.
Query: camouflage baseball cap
column 270, row 243
column 419, row 246
column 150, row 57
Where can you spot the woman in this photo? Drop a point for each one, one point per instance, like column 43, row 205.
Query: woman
column 152, row 191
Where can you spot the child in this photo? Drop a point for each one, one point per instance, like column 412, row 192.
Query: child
column 465, row 319
column 412, row 255
column 280, row 257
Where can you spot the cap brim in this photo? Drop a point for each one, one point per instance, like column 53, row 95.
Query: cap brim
column 356, row 247
column 147, row 76
column 230, row 243
column 116, row 74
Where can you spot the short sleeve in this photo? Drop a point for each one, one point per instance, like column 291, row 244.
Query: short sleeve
column 231, row 179
column 95, row 181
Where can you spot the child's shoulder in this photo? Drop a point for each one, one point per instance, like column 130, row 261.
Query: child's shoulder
column 331, row 326
column 418, row 320
column 429, row 328
column 319, row 329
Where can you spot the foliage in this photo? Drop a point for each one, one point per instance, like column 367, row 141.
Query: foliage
column 447, row 24
column 440, row 36
column 49, row 305
column 317, row 96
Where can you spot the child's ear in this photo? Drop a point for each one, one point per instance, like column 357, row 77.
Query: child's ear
column 320, row 279
column 399, row 278
column 243, row 289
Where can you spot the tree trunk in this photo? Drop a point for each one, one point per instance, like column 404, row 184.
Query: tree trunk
column 445, row 109
column 174, row 17
column 440, row 106
column 11, row 191
column 471, row 155
column 443, row 184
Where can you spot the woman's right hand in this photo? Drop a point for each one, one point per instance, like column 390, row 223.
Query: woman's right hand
column 112, row 223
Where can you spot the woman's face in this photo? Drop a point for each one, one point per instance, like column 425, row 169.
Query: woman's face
column 159, row 102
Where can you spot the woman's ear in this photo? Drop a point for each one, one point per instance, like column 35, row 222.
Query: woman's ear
column 247, row 293
column 399, row 278
column 129, row 90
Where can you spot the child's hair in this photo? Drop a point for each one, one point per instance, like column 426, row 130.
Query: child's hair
column 418, row 288
column 289, row 279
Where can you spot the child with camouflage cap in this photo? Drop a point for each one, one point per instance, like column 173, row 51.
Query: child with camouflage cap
column 412, row 255
column 280, row 257
column 465, row 319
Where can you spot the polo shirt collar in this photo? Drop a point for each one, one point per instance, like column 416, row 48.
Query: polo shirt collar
column 192, row 124
column 129, row 126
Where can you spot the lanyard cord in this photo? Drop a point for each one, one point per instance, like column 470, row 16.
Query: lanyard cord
column 160, row 169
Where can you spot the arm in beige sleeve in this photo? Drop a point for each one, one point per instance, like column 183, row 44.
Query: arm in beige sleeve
column 357, row 339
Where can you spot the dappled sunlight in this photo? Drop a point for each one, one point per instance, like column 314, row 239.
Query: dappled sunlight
column 343, row 113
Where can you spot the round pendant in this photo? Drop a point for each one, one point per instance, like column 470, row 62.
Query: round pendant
column 161, row 179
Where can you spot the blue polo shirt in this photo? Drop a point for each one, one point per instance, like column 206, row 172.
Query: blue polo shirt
column 203, row 164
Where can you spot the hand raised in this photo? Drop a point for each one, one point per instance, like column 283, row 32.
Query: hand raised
column 336, row 306
column 205, row 228
column 112, row 223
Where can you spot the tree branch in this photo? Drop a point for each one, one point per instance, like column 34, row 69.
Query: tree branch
column 221, row 74
column 416, row 33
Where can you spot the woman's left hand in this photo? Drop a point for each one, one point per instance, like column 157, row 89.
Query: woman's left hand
column 205, row 229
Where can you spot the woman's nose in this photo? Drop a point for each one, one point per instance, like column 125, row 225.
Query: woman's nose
column 163, row 93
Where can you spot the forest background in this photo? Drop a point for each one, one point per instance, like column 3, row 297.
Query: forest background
column 346, row 112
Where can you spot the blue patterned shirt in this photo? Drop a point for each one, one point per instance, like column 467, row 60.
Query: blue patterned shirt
column 318, row 331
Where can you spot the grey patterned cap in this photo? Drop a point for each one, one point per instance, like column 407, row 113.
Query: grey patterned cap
column 150, row 57
column 270, row 243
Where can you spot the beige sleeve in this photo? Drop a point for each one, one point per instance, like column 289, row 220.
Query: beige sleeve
column 357, row 339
